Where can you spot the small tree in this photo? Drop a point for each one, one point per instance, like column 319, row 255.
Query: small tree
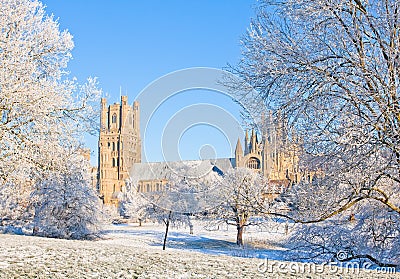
column 132, row 204
column 241, row 196
column 176, row 203
column 166, row 216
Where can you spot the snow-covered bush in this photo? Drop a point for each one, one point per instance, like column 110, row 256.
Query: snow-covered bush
column 15, row 205
column 65, row 204
column 366, row 233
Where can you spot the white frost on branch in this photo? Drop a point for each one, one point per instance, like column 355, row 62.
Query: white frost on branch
column 43, row 112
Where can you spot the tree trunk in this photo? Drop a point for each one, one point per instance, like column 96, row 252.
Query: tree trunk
column 190, row 225
column 166, row 230
column 241, row 220
column 239, row 236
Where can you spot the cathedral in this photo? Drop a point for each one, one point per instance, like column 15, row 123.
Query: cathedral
column 274, row 155
column 119, row 146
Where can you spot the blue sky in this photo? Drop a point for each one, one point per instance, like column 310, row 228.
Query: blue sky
column 129, row 44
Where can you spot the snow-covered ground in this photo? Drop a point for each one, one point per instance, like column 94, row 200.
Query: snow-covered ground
column 130, row 251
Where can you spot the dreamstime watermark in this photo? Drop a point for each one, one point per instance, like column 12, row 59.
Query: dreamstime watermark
column 269, row 266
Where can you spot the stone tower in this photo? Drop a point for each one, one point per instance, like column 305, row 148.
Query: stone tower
column 119, row 147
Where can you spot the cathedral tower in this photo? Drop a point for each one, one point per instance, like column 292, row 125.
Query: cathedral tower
column 119, row 146
column 276, row 156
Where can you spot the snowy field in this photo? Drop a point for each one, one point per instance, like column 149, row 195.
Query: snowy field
column 130, row 251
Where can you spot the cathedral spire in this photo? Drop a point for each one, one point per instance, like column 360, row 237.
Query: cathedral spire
column 239, row 147
column 253, row 146
column 238, row 153
column 246, row 143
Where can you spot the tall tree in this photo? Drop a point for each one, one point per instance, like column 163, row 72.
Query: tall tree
column 39, row 105
column 43, row 112
column 332, row 68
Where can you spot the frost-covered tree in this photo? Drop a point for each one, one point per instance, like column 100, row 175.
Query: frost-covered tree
column 168, row 209
column 241, row 196
column 167, row 216
column 132, row 203
column 43, row 113
column 332, row 69
column 65, row 204
column 183, row 196
column 39, row 106
column 110, row 214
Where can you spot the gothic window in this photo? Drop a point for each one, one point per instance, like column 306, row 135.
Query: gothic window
column 114, row 118
column 113, row 162
column 253, row 163
column 113, row 144
column 114, row 188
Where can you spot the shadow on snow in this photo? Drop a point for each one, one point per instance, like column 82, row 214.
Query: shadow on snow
column 199, row 243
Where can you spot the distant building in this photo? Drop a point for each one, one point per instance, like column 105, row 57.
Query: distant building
column 120, row 154
column 153, row 177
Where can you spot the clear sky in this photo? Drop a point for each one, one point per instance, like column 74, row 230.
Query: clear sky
column 129, row 44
